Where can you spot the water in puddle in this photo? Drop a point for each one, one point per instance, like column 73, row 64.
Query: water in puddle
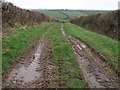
column 79, row 47
column 83, row 45
column 29, row 73
column 63, row 32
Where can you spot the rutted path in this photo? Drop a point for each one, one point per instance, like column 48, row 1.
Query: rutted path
column 33, row 68
column 95, row 72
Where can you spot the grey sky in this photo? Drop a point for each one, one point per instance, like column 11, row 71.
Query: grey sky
column 67, row 4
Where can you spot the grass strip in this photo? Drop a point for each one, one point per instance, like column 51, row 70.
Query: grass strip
column 66, row 72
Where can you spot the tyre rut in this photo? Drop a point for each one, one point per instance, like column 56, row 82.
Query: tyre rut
column 95, row 72
column 33, row 68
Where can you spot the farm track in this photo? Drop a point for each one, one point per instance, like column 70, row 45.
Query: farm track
column 95, row 72
column 33, row 68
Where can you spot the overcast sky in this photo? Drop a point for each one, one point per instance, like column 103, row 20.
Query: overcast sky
column 67, row 4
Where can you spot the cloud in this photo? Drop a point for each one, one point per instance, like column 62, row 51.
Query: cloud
column 67, row 4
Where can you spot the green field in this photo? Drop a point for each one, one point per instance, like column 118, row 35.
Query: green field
column 54, row 14
column 72, row 14
column 68, row 14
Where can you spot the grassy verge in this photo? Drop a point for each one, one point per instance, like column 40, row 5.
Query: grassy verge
column 66, row 70
column 105, row 45
column 16, row 43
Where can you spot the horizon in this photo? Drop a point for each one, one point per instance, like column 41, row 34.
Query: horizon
column 73, row 5
column 72, row 9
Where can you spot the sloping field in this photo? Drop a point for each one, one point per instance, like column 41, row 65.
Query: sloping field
column 54, row 14
column 68, row 14
column 73, row 13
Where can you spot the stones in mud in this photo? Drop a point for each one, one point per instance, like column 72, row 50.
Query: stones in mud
column 14, row 82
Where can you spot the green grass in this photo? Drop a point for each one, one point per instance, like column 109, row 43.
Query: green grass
column 66, row 66
column 71, row 13
column 74, row 13
column 16, row 43
column 54, row 14
column 59, row 15
column 105, row 45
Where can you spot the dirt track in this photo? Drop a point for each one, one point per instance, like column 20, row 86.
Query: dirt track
column 95, row 72
column 32, row 69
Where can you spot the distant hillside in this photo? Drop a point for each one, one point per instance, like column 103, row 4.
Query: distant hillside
column 13, row 16
column 68, row 14
column 106, row 23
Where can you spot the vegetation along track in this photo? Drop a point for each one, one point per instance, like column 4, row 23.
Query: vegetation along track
column 95, row 72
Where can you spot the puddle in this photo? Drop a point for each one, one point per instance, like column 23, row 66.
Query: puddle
column 63, row 32
column 28, row 73
column 83, row 45
column 79, row 47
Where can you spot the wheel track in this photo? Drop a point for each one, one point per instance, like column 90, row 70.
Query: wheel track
column 41, row 66
column 95, row 72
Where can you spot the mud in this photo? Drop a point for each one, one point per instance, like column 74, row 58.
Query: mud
column 63, row 32
column 32, row 69
column 94, row 70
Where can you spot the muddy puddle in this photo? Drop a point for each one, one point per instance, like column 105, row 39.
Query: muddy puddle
column 95, row 72
column 63, row 32
column 30, row 71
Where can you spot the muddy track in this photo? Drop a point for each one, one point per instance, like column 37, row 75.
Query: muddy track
column 32, row 68
column 95, row 72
